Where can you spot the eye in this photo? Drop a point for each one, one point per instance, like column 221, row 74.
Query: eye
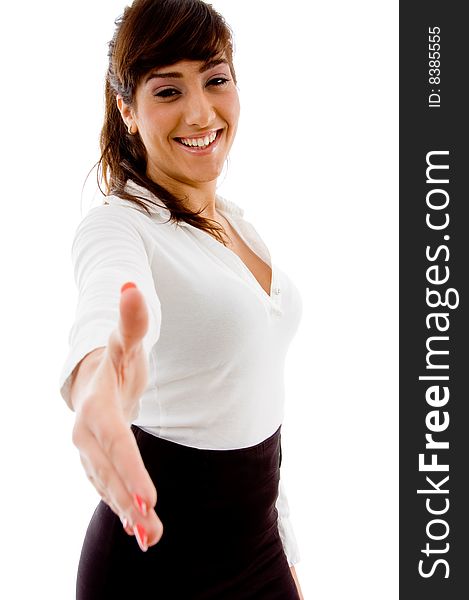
column 172, row 92
column 218, row 81
column 166, row 93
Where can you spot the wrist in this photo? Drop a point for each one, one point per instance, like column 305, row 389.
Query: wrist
column 83, row 374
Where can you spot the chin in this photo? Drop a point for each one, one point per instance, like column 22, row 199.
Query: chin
column 206, row 176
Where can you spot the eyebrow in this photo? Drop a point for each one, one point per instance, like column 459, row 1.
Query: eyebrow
column 177, row 75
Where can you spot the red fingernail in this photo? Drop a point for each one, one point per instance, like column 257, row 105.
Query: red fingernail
column 142, row 507
column 128, row 285
column 142, row 536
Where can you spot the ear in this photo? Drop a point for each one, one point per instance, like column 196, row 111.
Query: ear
column 127, row 114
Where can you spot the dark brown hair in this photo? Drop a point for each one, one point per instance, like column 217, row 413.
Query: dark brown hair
column 152, row 34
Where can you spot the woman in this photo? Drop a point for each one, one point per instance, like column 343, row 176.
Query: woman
column 177, row 383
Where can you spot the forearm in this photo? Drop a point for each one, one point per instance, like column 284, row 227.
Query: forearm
column 295, row 577
column 82, row 375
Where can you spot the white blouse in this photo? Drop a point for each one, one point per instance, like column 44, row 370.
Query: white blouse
column 216, row 342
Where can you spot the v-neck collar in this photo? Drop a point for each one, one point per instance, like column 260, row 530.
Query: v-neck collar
column 234, row 214
column 256, row 244
column 248, row 243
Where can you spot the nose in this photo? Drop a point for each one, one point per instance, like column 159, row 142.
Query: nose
column 199, row 110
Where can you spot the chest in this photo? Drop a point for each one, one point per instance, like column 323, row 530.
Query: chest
column 215, row 299
column 261, row 270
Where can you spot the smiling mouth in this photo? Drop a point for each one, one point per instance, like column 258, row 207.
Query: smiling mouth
column 201, row 143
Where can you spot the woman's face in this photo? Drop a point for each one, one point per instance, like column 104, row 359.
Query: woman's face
column 180, row 105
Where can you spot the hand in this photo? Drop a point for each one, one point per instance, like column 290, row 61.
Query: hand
column 107, row 403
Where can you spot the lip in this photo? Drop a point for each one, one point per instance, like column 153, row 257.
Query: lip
column 204, row 151
column 197, row 135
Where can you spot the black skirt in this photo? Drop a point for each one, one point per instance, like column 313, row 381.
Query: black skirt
column 220, row 538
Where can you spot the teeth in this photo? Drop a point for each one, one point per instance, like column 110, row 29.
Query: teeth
column 200, row 142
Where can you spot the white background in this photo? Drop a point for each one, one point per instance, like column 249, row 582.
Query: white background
column 315, row 168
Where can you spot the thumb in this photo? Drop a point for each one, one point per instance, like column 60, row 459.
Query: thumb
column 133, row 318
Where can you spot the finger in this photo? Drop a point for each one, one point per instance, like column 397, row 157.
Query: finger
column 133, row 317
column 118, row 443
column 130, row 518
column 122, row 449
column 104, row 476
column 125, row 522
column 106, row 480
column 127, row 527
column 96, row 484
column 116, row 491
column 88, row 467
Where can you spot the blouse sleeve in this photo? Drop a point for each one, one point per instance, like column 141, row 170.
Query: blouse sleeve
column 285, row 529
column 109, row 248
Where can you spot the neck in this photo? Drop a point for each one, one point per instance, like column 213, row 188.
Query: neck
column 200, row 195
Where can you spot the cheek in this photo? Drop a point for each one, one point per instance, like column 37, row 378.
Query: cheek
column 155, row 131
column 155, row 119
column 232, row 108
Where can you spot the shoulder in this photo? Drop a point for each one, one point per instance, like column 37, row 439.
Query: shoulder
column 114, row 210
column 111, row 224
